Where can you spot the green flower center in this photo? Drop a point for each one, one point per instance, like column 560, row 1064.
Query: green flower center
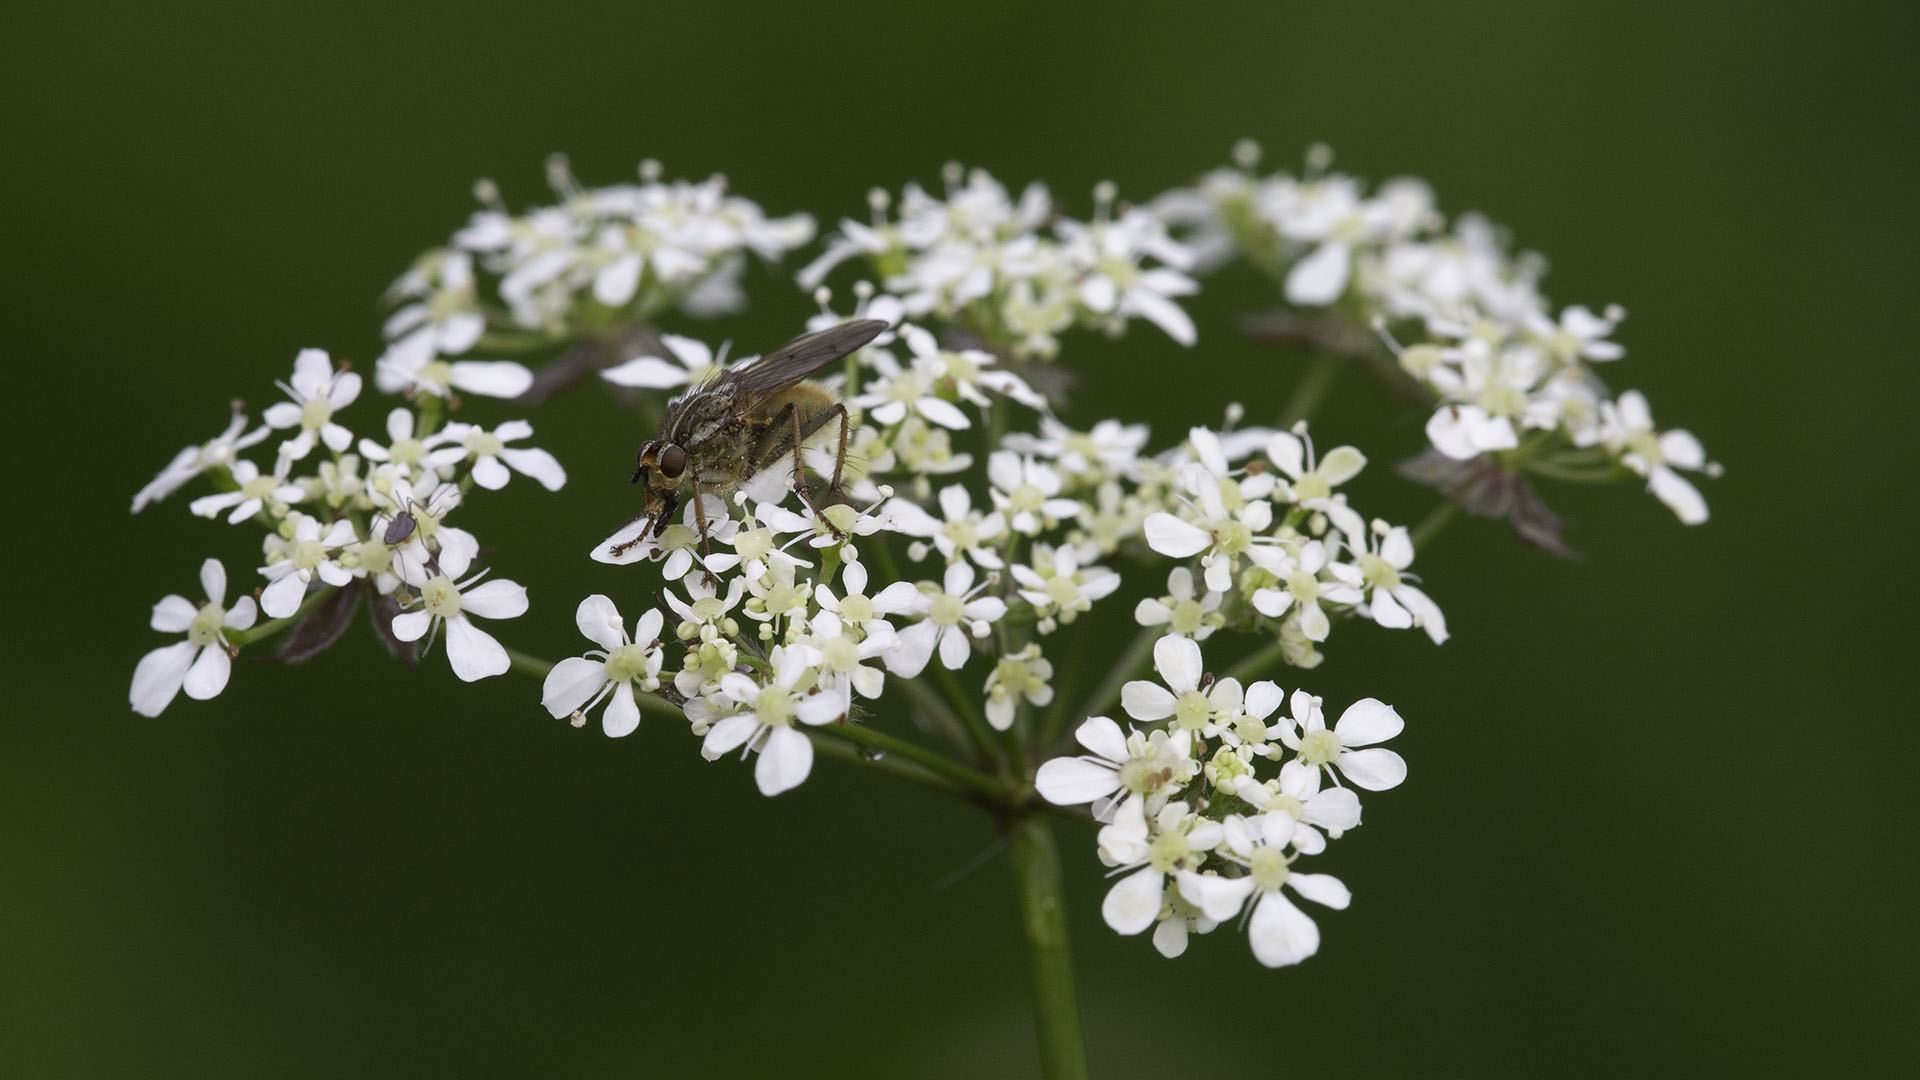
column 1311, row 486
column 628, row 663
column 753, row 544
column 1379, row 573
column 1027, row 497
column 1186, row 616
column 774, row 706
column 442, row 596
column 205, row 627
column 842, row 654
column 315, row 414
column 1320, row 747
column 1233, row 538
column 1305, row 587
column 484, row 444
column 855, row 608
column 308, row 554
column 1192, row 710
column 408, row 451
column 947, row 610
column 1269, row 867
column 1063, row 592
column 1168, row 851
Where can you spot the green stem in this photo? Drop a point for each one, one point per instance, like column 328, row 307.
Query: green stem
column 980, row 784
column 825, row 744
column 1431, row 525
column 1312, row 388
column 979, row 732
column 1035, row 863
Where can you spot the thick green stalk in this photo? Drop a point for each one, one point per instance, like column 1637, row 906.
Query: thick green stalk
column 1430, row 526
column 1312, row 388
column 1035, row 863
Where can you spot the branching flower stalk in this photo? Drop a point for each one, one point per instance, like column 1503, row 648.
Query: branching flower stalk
column 935, row 617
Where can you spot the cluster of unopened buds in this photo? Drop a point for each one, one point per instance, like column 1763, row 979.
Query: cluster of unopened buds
column 976, row 539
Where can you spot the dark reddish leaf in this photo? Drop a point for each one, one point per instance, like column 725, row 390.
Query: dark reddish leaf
column 1481, row 486
column 321, row 627
column 382, row 609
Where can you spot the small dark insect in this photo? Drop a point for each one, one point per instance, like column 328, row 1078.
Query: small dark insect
column 721, row 432
column 398, row 529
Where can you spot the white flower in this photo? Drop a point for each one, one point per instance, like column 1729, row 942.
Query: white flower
column 402, row 449
column 965, row 530
column 1280, row 933
column 967, row 370
column 1175, row 844
column 217, row 452
column 952, row 613
column 1310, row 482
column 1335, row 809
column 609, row 673
column 309, row 554
column 693, row 363
column 1058, row 587
column 889, row 398
column 1628, row 423
column 852, row 605
column 1178, row 661
column 761, row 717
column 676, row 544
column 1488, row 399
column 1180, row 611
column 1110, row 449
column 254, row 492
column 1396, row 602
column 1146, row 766
column 838, row 650
column 1028, row 492
column 1580, row 334
column 317, row 392
column 1116, row 285
column 1365, row 722
column 446, row 318
column 1023, row 674
column 488, row 451
column 411, row 366
column 201, row 663
column 1301, row 586
column 472, row 652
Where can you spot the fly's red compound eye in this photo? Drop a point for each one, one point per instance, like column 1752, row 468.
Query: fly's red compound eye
column 673, row 462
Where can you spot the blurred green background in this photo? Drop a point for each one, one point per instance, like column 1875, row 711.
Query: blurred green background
column 1660, row 818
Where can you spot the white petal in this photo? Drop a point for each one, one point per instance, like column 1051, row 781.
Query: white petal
column 622, row 715
column 1320, row 278
column 1280, row 933
column 489, row 473
column 1168, row 535
column 1263, row 698
column 649, row 372
column 158, row 677
column 600, row 622
column 1375, row 770
column 213, row 579
column 1177, row 659
column 784, row 761
column 208, row 676
column 1341, row 464
column 1321, row 889
column 1170, row 937
column 282, row 598
column 473, row 652
column 412, row 625
column 913, row 649
column 1368, row 721
column 1072, row 781
column 1145, row 700
column 730, row 733
column 496, row 599
column 944, row 413
column 1104, row 737
column 1220, row 898
column 538, row 464
column 1387, row 611
column 1134, row 901
column 1679, row 495
column 1335, row 808
column 1163, row 313
column 173, row 614
column 954, row 648
column 614, row 285
column 571, row 684
column 492, row 378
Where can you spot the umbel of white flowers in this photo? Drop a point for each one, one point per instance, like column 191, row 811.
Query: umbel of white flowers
column 979, row 532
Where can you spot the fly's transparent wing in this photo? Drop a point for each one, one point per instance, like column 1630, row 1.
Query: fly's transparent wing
column 757, row 380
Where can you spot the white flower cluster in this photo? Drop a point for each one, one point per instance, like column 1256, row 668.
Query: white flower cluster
column 601, row 258
column 1207, row 811
column 378, row 517
column 1013, row 272
column 1508, row 376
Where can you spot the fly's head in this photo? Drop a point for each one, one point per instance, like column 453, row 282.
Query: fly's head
column 660, row 468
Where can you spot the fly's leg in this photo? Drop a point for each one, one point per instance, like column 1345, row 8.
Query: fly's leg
column 799, row 463
column 706, row 543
